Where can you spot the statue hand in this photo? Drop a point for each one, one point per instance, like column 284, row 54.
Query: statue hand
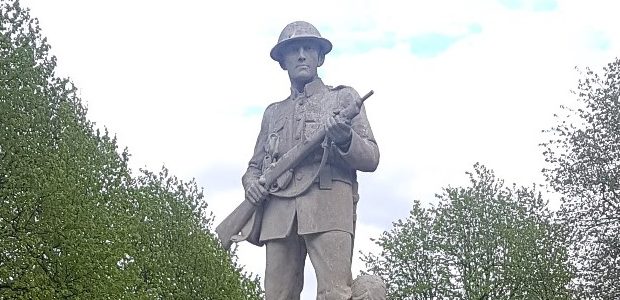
column 256, row 193
column 338, row 130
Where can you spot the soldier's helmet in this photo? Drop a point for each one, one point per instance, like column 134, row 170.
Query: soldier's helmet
column 297, row 31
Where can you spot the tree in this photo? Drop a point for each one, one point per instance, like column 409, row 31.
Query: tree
column 74, row 222
column 583, row 154
column 174, row 256
column 410, row 261
column 483, row 241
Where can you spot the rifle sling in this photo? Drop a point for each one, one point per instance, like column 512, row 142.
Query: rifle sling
column 283, row 193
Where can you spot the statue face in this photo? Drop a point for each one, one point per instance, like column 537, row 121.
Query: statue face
column 301, row 58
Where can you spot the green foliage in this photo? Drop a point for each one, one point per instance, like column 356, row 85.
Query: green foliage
column 584, row 166
column 74, row 222
column 173, row 256
column 483, row 241
column 410, row 262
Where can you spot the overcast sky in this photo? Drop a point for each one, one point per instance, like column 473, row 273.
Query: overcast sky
column 184, row 83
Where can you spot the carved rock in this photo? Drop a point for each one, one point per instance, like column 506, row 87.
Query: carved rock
column 368, row 287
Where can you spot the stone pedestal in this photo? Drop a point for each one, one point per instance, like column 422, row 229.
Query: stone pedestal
column 368, row 287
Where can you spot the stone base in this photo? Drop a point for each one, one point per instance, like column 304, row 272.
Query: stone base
column 368, row 287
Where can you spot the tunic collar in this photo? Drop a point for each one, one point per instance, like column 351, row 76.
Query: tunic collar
column 312, row 88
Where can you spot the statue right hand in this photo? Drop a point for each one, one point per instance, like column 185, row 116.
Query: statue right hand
column 256, row 193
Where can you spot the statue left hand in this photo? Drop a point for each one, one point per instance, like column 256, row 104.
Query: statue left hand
column 338, row 130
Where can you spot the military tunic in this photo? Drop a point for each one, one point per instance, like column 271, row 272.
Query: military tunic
column 328, row 204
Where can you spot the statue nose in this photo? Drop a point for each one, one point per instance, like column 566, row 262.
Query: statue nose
column 302, row 54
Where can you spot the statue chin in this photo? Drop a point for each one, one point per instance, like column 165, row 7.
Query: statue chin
column 368, row 287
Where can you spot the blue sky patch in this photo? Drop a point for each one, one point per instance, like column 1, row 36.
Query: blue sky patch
column 431, row 44
column 545, row 5
column 253, row 111
column 599, row 41
column 475, row 28
column 422, row 45
column 534, row 5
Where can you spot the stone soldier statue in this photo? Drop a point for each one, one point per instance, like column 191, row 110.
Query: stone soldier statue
column 310, row 209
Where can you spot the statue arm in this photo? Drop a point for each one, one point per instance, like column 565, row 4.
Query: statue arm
column 362, row 152
column 255, row 165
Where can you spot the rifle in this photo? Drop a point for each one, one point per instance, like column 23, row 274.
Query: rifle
column 242, row 217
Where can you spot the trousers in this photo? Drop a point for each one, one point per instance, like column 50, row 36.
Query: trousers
column 330, row 255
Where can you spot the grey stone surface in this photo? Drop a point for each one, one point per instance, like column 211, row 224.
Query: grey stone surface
column 369, row 287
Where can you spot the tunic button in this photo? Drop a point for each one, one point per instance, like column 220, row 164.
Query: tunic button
column 298, row 118
column 299, row 176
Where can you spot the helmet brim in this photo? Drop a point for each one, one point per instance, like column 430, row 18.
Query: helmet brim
column 324, row 44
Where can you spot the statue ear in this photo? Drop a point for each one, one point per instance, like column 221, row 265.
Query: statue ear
column 321, row 59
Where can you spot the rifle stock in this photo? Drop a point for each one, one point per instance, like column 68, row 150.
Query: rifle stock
column 233, row 224
column 228, row 231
